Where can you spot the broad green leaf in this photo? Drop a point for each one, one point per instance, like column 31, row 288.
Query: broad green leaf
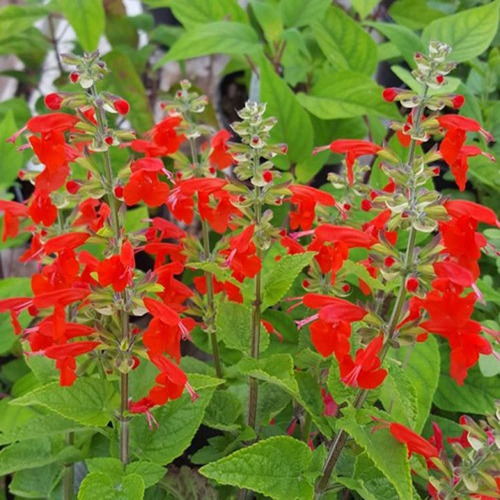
column 269, row 19
column 134, row 219
column 388, row 455
column 43, row 425
column 12, row 287
column 280, row 279
column 302, row 12
column 364, row 7
column 406, row 42
column 11, row 160
column 103, row 486
column 199, row 12
column 272, row 400
column 223, row 37
column 414, row 14
column 223, row 411
column 422, row 372
column 177, row 424
column 87, row 18
column 234, row 326
column 120, row 29
column 469, row 32
column 18, row 106
column 34, row 453
column 126, row 82
column 339, row 391
column 489, row 365
column 88, row 400
column 35, row 483
column 274, row 467
column 344, row 43
column 399, row 396
column 476, row 395
column 346, row 94
column 15, row 19
column 294, row 126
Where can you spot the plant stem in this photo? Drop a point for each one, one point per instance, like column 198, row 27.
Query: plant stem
column 253, row 383
column 123, row 315
column 69, row 474
column 340, row 440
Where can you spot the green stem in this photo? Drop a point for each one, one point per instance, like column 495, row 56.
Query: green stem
column 69, row 474
column 123, row 315
column 340, row 440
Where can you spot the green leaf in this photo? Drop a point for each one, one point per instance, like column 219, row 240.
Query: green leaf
column 294, row 126
column 469, row 32
column 35, row 483
column 302, row 12
column 186, row 483
column 362, row 273
column 126, row 82
column 199, row 12
column 476, row 395
column 422, row 373
column 87, row 401
column 222, row 37
column 346, row 94
column 101, row 485
column 406, row 42
column 11, row 160
column 269, row 19
column 177, row 424
column 223, row 411
column 345, row 44
column 34, row 453
column 388, row 455
column 414, row 14
column 272, row 400
column 234, row 326
column 399, row 396
column 274, row 467
column 280, row 279
column 339, row 391
column 12, row 287
column 489, row 365
column 88, row 20
column 364, row 7
column 44, row 425
column 15, row 19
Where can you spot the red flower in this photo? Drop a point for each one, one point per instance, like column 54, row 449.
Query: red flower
column 53, row 101
column 414, row 442
column 306, row 198
column 164, row 139
column 93, row 214
column 53, row 122
column 121, row 106
column 351, row 237
column 460, row 166
column 144, row 184
column 242, row 259
column 459, row 208
column 13, row 211
column 219, row 156
column 330, row 338
column 364, row 371
column 118, row 270
column 333, row 309
column 354, row 149
column 41, row 210
column 378, row 224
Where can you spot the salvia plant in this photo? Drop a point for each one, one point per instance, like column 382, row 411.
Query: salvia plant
column 313, row 326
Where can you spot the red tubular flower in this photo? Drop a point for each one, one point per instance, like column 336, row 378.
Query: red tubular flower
column 162, row 139
column 219, row 156
column 378, row 224
column 144, row 184
column 62, row 297
column 414, row 442
column 306, row 198
column 459, row 208
column 161, row 311
column 351, row 237
column 13, row 211
column 333, row 309
column 460, row 166
column 242, row 259
column 364, row 371
column 93, row 214
column 53, row 101
column 462, row 123
column 330, row 338
column 354, row 148
column 42, row 210
column 117, row 270
column 121, row 106
column 65, row 242
column 170, row 382
column 54, row 122
column 65, row 358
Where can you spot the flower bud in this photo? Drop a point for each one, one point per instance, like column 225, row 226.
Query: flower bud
column 118, row 191
column 53, row 101
column 390, row 94
column 74, row 76
column 411, row 284
column 366, row 205
column 267, row 176
column 346, row 288
column 72, row 187
column 457, row 101
column 122, row 106
column 109, row 140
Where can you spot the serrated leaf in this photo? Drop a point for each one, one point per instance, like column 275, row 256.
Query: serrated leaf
column 280, row 279
column 388, row 455
column 476, row 395
column 35, row 483
column 223, row 411
column 422, row 371
column 294, row 126
column 302, row 12
column 469, row 32
column 234, row 326
column 344, row 43
column 178, row 422
column 222, row 37
column 87, row 401
column 272, row 400
column 101, row 485
column 338, row 390
column 345, row 94
column 399, row 397
column 87, row 18
column 274, row 467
